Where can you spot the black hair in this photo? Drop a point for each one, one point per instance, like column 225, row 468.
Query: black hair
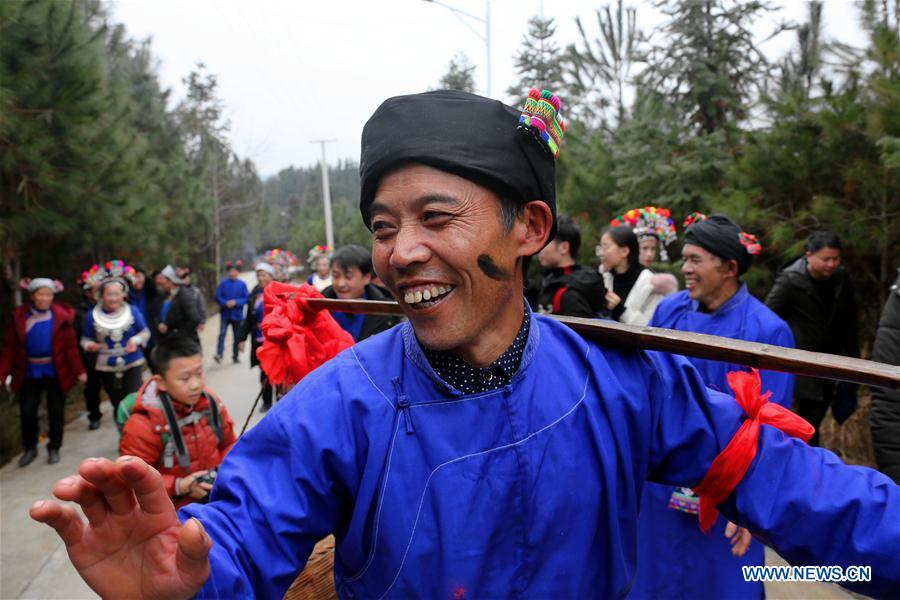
column 173, row 346
column 623, row 235
column 822, row 239
column 509, row 211
column 353, row 256
column 567, row 230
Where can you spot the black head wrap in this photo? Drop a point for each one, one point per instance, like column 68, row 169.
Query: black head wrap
column 474, row 137
column 723, row 237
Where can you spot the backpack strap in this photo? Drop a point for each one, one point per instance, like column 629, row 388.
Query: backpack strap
column 175, row 444
column 213, row 416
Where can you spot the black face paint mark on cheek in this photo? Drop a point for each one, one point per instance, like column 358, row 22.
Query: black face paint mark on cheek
column 490, row 268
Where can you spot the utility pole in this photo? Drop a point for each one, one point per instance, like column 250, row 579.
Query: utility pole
column 326, row 194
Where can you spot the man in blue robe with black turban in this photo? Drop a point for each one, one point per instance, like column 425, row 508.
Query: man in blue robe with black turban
column 475, row 450
column 675, row 558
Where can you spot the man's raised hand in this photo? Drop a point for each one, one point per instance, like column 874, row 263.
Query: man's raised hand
column 133, row 545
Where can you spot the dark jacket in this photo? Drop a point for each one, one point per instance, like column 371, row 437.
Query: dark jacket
column 66, row 358
column 199, row 298
column 154, row 315
column 248, row 328
column 184, row 315
column 373, row 323
column 885, row 415
column 83, row 307
column 576, row 291
column 817, row 328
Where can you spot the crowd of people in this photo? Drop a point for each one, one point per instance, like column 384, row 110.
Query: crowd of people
column 107, row 341
column 479, row 448
column 127, row 325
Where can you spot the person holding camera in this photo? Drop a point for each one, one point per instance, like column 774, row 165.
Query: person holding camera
column 176, row 423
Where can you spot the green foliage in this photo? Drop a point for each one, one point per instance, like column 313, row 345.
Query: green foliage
column 598, row 69
column 292, row 214
column 706, row 60
column 538, row 62
column 831, row 161
column 94, row 163
column 809, row 142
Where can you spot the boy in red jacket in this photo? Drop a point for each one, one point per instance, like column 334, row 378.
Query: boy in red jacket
column 41, row 355
column 176, row 423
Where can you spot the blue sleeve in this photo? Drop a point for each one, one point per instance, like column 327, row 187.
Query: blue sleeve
column 815, row 510
column 220, row 294
column 802, row 501
column 661, row 314
column 265, row 520
column 690, row 423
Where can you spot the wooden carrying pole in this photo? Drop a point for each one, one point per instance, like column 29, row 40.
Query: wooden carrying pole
column 698, row 345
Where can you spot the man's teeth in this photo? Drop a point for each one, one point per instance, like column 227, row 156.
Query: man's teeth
column 426, row 294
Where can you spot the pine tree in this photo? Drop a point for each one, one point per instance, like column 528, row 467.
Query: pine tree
column 599, row 69
column 460, row 75
column 799, row 70
column 706, row 60
column 94, row 164
column 539, row 60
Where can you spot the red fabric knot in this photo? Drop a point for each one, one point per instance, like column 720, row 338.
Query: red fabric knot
column 297, row 337
column 730, row 466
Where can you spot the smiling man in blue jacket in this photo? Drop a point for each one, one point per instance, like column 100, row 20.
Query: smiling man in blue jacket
column 476, row 450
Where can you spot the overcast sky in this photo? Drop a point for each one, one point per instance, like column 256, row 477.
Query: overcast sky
column 293, row 71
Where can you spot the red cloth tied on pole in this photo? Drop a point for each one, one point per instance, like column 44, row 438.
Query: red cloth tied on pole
column 297, row 337
column 730, row 466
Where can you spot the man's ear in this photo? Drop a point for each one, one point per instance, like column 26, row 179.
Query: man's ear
column 733, row 268
column 564, row 248
column 538, row 220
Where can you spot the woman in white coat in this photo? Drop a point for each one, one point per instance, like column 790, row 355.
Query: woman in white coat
column 631, row 296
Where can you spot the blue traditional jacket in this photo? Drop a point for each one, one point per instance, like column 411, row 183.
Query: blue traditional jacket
column 39, row 344
column 531, row 490
column 676, row 559
column 112, row 356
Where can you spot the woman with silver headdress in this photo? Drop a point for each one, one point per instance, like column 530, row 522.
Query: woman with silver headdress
column 116, row 332
column 627, row 251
